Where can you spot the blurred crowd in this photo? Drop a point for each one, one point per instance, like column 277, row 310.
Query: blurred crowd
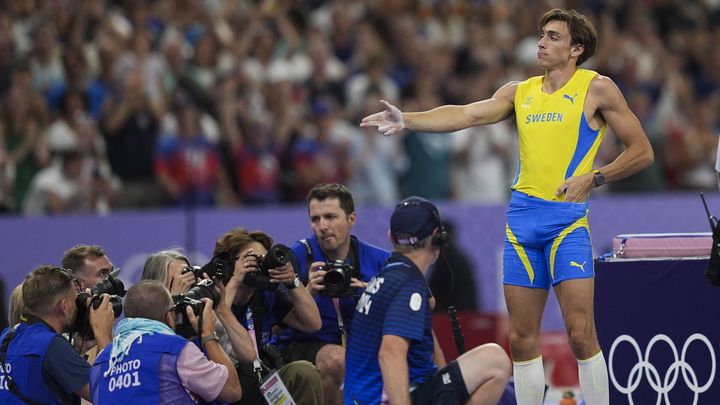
column 109, row 105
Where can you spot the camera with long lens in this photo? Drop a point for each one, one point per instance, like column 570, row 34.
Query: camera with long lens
column 203, row 289
column 112, row 286
column 220, row 267
column 337, row 279
column 278, row 256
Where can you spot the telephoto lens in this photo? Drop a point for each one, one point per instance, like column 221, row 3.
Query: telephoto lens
column 193, row 299
column 278, row 256
column 220, row 267
column 112, row 286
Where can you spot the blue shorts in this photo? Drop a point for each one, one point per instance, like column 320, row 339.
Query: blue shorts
column 546, row 242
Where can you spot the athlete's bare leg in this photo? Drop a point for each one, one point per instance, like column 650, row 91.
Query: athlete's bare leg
column 577, row 304
column 576, row 298
column 525, row 308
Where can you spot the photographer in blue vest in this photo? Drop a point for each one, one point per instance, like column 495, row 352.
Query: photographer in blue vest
column 147, row 363
column 37, row 365
column 331, row 247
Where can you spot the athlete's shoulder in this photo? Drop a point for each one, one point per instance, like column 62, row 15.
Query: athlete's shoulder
column 529, row 80
column 508, row 91
column 604, row 90
column 600, row 83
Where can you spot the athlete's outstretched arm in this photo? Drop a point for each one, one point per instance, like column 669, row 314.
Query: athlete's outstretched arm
column 447, row 118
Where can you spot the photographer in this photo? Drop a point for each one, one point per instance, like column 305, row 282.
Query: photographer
column 169, row 267
column 38, row 365
column 332, row 216
column 148, row 363
column 89, row 264
column 173, row 268
column 260, row 305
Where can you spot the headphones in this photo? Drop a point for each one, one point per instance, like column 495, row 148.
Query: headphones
column 441, row 237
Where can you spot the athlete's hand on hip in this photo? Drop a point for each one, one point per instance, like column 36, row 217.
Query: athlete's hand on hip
column 389, row 122
column 576, row 188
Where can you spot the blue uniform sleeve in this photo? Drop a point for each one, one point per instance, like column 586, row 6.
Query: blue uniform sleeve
column 406, row 312
column 64, row 366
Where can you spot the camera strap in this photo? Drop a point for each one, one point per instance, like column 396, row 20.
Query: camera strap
column 341, row 324
column 10, row 383
column 308, row 260
column 252, row 313
column 354, row 256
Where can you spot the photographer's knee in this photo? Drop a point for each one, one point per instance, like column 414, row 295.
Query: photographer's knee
column 331, row 361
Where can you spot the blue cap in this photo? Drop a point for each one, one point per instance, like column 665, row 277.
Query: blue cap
column 414, row 219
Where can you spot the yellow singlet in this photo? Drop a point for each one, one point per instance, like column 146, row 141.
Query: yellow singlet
column 556, row 141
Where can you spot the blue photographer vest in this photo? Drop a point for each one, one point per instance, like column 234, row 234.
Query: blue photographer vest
column 24, row 362
column 147, row 375
column 371, row 260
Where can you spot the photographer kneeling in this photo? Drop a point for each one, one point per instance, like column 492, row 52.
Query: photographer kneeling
column 148, row 363
column 259, row 268
column 37, row 364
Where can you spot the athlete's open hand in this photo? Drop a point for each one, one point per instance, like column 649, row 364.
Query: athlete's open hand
column 389, row 122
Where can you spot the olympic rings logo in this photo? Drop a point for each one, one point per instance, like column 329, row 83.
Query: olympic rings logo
column 667, row 383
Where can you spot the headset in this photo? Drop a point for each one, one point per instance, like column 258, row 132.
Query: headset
column 441, row 237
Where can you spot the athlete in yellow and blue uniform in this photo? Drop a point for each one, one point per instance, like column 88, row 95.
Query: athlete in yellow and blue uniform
column 547, row 235
column 547, row 240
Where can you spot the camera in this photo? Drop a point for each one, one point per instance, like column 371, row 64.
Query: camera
column 112, row 286
column 278, row 256
column 337, row 279
column 203, row 289
column 220, row 267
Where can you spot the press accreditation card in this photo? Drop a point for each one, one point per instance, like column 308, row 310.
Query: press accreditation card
column 274, row 390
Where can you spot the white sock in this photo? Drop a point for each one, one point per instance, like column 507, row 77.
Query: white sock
column 594, row 380
column 529, row 381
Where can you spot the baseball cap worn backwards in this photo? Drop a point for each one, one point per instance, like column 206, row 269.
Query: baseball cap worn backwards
column 413, row 220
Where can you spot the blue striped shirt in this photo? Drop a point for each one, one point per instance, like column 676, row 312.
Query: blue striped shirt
column 394, row 303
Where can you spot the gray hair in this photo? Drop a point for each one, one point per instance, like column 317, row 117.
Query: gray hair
column 148, row 299
column 156, row 265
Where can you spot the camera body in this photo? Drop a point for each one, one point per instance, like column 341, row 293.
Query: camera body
column 203, row 289
column 112, row 286
column 278, row 256
column 337, row 279
column 220, row 267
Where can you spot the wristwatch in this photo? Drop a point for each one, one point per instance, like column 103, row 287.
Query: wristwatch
column 294, row 284
column 208, row 338
column 599, row 179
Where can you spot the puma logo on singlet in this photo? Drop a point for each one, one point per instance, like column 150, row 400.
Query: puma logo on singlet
column 576, row 264
column 572, row 99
